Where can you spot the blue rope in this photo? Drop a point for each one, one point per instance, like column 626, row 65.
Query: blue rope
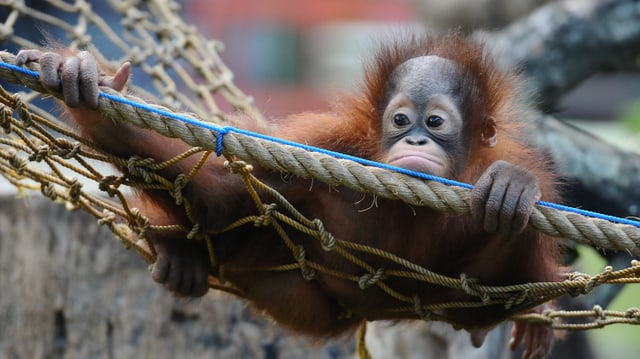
column 222, row 131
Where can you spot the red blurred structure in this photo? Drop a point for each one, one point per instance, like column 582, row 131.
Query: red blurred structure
column 292, row 55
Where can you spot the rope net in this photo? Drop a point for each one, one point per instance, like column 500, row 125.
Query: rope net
column 39, row 152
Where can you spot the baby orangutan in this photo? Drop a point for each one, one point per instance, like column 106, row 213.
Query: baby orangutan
column 438, row 106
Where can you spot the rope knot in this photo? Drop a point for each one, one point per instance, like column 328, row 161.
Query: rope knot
column 265, row 218
column 23, row 110
column 307, row 272
column 67, row 152
column 110, row 185
column 633, row 313
column 327, row 240
column 468, row 285
column 40, row 153
column 49, row 191
column 516, row 300
column 580, row 278
column 18, row 163
column 75, row 190
column 137, row 167
column 367, row 280
column 141, row 222
column 418, row 308
column 107, row 217
column 178, row 184
column 238, row 167
column 598, row 279
column 5, row 120
column 599, row 313
column 133, row 18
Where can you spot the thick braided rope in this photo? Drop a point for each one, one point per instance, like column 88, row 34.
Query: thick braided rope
column 341, row 172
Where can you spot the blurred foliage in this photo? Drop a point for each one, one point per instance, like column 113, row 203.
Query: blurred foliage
column 630, row 116
column 616, row 341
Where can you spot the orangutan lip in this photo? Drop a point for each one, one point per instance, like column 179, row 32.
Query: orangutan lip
column 415, row 155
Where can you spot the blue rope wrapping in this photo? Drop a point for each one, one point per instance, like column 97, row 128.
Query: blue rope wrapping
column 222, row 131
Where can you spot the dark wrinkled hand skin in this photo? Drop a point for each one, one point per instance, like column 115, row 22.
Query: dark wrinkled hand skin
column 538, row 338
column 180, row 267
column 504, row 198
column 502, row 202
column 78, row 77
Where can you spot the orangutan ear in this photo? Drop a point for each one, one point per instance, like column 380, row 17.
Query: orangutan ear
column 490, row 132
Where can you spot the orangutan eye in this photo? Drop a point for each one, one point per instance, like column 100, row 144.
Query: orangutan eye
column 400, row 119
column 435, row 121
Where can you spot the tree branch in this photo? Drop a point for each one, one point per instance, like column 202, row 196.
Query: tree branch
column 565, row 42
